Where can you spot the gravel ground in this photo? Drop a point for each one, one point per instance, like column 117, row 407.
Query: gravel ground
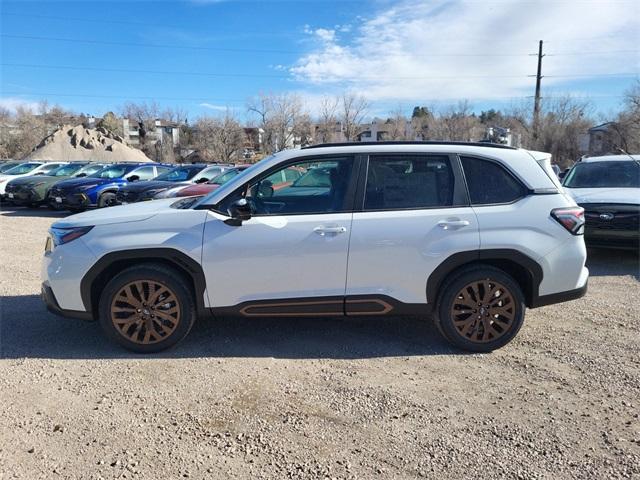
column 302, row 398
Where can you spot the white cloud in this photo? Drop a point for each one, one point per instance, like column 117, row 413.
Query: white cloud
column 12, row 103
column 478, row 50
column 219, row 108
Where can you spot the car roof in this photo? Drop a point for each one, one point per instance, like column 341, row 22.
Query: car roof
column 611, row 158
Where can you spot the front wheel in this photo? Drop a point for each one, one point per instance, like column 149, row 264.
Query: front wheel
column 480, row 309
column 107, row 199
column 147, row 308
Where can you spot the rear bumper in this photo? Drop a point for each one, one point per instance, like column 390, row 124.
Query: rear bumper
column 51, row 303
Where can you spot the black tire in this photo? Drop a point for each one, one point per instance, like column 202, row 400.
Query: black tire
column 173, row 282
column 107, row 199
column 484, row 326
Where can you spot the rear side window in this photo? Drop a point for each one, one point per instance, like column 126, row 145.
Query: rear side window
column 398, row 182
column 145, row 173
column 489, row 183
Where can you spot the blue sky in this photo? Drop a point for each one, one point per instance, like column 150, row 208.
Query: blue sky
column 205, row 56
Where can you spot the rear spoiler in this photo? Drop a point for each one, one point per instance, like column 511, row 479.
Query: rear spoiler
column 543, row 159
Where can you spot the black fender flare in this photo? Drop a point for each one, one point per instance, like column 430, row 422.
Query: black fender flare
column 118, row 260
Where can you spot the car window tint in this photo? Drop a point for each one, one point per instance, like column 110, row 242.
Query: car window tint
column 489, row 183
column 115, row 171
column 145, row 173
column 208, row 173
column 321, row 188
column 291, row 174
column 406, row 181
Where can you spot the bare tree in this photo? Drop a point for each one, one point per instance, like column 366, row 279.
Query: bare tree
column 327, row 120
column 283, row 119
column 399, row 127
column 353, row 110
column 219, row 139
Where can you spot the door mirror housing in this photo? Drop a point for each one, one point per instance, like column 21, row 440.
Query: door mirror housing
column 239, row 211
column 202, row 180
column 80, row 175
column 133, row 178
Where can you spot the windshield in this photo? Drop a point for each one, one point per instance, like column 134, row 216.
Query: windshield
column 179, row 174
column 90, row 169
column 225, row 177
column 622, row 174
column 65, row 170
column 6, row 166
column 114, row 171
column 208, row 173
column 22, row 168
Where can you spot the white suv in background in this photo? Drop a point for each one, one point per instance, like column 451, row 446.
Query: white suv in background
column 469, row 233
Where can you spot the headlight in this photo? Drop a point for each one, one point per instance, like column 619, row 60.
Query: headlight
column 65, row 235
column 87, row 187
column 169, row 193
column 37, row 184
column 152, row 193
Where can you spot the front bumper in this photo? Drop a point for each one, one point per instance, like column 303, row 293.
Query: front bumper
column 51, row 303
column 60, row 198
column 23, row 195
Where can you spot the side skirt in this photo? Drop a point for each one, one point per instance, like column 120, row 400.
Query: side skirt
column 351, row 305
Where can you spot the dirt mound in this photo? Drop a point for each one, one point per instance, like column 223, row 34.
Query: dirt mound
column 78, row 143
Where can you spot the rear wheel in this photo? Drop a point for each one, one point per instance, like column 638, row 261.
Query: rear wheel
column 480, row 309
column 107, row 199
column 147, row 308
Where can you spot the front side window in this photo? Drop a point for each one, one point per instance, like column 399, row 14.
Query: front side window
column 225, row 177
column 208, row 173
column 90, row 169
column 609, row 174
column 408, row 182
column 49, row 167
column 321, row 188
column 489, row 183
column 145, row 173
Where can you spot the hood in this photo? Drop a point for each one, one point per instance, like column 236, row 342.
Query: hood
column 148, row 185
column 605, row 195
column 122, row 214
column 77, row 182
column 33, row 179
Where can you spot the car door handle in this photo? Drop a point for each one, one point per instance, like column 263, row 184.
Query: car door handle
column 452, row 224
column 322, row 230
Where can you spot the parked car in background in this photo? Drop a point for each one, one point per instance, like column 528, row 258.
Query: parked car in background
column 99, row 189
column 4, row 166
column 142, row 191
column 207, row 187
column 209, row 173
column 608, row 188
column 469, row 233
column 26, row 169
column 32, row 190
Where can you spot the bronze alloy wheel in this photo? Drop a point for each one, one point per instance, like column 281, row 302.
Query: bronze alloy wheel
column 145, row 311
column 483, row 311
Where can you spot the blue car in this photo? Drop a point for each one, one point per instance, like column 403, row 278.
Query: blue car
column 99, row 190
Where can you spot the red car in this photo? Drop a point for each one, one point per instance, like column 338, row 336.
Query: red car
column 284, row 179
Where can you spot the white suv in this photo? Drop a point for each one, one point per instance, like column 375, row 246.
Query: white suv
column 469, row 233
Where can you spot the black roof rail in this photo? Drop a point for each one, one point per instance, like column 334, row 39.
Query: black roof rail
column 424, row 142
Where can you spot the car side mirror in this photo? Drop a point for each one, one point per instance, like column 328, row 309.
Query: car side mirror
column 80, row 175
column 202, row 180
column 239, row 211
column 133, row 178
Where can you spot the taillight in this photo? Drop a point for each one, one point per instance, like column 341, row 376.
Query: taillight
column 571, row 218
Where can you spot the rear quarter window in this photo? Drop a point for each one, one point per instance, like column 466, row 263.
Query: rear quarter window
column 489, row 183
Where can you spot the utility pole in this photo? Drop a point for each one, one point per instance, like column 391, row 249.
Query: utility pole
column 536, row 105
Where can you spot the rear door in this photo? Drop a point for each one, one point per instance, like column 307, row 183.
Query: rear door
column 414, row 214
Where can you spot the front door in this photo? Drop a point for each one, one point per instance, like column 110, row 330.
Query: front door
column 290, row 258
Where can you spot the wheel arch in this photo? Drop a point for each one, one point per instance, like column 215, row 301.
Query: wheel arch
column 524, row 270
column 113, row 263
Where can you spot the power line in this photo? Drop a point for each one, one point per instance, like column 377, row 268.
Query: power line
column 289, row 52
column 289, row 76
column 221, row 100
column 235, row 50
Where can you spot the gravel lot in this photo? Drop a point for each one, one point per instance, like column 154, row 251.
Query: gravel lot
column 302, row 398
